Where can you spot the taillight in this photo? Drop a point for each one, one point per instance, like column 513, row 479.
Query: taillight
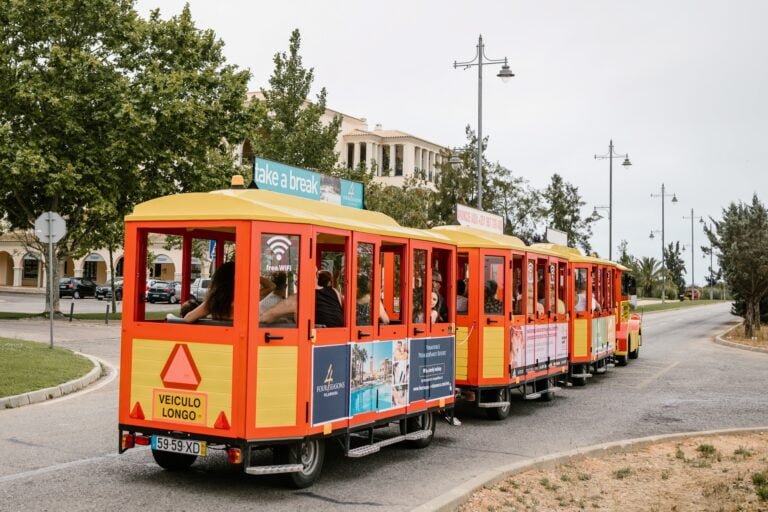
column 70, row 285
column 128, row 441
column 166, row 289
column 234, row 456
column 143, row 440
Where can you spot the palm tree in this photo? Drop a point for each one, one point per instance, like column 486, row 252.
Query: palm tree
column 648, row 273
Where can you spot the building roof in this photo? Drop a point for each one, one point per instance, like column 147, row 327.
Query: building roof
column 388, row 134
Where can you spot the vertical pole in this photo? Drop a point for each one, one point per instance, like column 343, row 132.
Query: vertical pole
column 711, row 274
column 663, row 247
column 693, row 275
column 480, row 123
column 50, row 274
column 610, row 200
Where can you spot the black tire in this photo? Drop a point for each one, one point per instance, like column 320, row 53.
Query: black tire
column 621, row 360
column 173, row 461
column 426, row 421
column 173, row 300
column 151, row 301
column 99, row 298
column 310, row 453
column 500, row 413
column 579, row 381
column 635, row 353
column 76, row 295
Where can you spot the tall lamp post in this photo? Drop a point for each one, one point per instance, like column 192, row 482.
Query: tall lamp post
column 505, row 74
column 663, row 195
column 610, row 156
column 693, row 251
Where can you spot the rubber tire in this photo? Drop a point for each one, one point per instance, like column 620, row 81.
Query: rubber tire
column 173, row 461
column 151, row 301
column 635, row 353
column 547, row 396
column 579, row 381
column 172, row 299
column 310, row 453
column 500, row 413
column 99, row 298
column 76, row 295
column 622, row 360
column 428, row 420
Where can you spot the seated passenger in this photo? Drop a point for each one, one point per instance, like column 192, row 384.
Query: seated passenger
column 219, row 301
column 328, row 307
column 435, row 313
column 363, row 306
column 461, row 296
column 493, row 306
column 581, row 296
column 442, row 308
column 281, row 313
column 280, row 282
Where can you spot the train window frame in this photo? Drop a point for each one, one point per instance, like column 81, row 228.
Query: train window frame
column 276, row 240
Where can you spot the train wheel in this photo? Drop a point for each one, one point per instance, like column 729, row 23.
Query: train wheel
column 426, row 421
column 499, row 413
column 635, row 353
column 579, row 381
column 173, row 461
column 621, row 360
column 310, row 453
column 546, row 395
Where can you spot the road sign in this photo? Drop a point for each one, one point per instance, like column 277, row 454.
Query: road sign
column 58, row 228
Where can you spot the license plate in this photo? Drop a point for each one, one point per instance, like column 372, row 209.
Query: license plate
column 185, row 446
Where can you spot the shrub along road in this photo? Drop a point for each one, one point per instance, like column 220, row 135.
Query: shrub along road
column 62, row 454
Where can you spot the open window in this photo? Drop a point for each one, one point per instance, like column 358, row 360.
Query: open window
column 518, row 302
column 442, row 287
column 493, row 273
column 392, row 281
column 330, row 293
column 462, row 284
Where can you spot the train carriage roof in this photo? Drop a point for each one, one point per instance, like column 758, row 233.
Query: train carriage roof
column 264, row 205
column 464, row 236
column 575, row 256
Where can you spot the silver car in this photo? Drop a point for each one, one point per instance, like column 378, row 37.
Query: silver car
column 200, row 288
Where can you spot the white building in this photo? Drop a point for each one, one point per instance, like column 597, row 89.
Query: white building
column 392, row 155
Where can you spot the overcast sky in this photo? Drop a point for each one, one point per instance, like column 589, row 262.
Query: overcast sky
column 681, row 86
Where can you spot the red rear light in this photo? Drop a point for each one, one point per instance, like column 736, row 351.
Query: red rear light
column 69, row 285
column 143, row 440
column 128, row 441
column 166, row 289
column 234, row 456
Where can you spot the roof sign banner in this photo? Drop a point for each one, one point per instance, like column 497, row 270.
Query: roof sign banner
column 479, row 219
column 555, row 236
column 278, row 177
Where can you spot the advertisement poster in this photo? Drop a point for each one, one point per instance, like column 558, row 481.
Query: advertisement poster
column 517, row 350
column 372, row 378
column 431, row 368
column 542, row 345
column 561, row 351
column 530, row 347
column 330, row 387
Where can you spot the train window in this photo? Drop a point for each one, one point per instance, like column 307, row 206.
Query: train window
column 462, row 284
column 597, row 295
column 419, row 290
column 541, row 283
column 330, row 306
column 392, row 284
column 530, row 289
column 581, row 290
column 494, row 285
column 561, row 288
column 609, row 288
column 279, row 274
column 441, row 286
column 552, row 288
column 517, row 285
column 364, row 293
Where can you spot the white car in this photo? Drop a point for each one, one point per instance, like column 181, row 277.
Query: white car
column 200, row 288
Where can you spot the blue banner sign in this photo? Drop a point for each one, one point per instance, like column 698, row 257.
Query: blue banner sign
column 277, row 177
column 330, row 379
column 431, row 369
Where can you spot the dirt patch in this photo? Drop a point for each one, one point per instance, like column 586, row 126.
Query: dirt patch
column 760, row 339
column 709, row 473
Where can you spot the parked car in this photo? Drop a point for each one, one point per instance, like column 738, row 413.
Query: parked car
column 105, row 292
column 200, row 288
column 76, row 287
column 164, row 291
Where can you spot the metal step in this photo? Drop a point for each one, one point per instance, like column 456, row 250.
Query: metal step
column 419, row 434
column 553, row 389
column 602, row 369
column 611, row 365
column 492, row 405
column 533, row 396
column 581, row 375
column 368, row 449
column 274, row 470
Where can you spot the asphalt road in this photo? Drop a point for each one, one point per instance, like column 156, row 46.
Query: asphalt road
column 61, row 455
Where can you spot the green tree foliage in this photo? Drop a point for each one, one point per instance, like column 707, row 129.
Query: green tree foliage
column 647, row 272
column 675, row 266
column 102, row 109
column 287, row 127
column 562, row 205
column 741, row 238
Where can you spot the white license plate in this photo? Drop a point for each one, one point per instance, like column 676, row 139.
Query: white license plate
column 185, row 446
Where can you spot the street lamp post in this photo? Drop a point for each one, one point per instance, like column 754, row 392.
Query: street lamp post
column 505, row 74
column 693, row 252
column 610, row 156
column 663, row 263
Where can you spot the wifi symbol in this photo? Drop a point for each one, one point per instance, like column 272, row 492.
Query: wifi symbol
column 279, row 245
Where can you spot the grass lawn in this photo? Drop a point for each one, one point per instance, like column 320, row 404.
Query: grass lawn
column 28, row 366
column 675, row 304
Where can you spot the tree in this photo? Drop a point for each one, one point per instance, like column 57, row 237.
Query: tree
column 517, row 203
column 625, row 258
column 647, row 272
column 562, row 206
column 287, row 127
column 741, row 238
column 675, row 266
column 102, row 109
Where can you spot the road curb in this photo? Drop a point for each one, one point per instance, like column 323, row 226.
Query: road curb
column 452, row 499
column 41, row 395
column 721, row 341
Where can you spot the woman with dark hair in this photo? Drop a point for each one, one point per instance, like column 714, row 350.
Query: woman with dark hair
column 220, row 297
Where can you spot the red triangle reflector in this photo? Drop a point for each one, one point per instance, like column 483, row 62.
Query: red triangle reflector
column 221, row 422
column 137, row 412
column 180, row 370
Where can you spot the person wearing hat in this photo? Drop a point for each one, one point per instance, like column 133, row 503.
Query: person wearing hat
column 441, row 308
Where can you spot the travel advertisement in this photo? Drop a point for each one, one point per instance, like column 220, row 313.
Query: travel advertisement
column 517, row 351
column 431, row 371
column 330, row 386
